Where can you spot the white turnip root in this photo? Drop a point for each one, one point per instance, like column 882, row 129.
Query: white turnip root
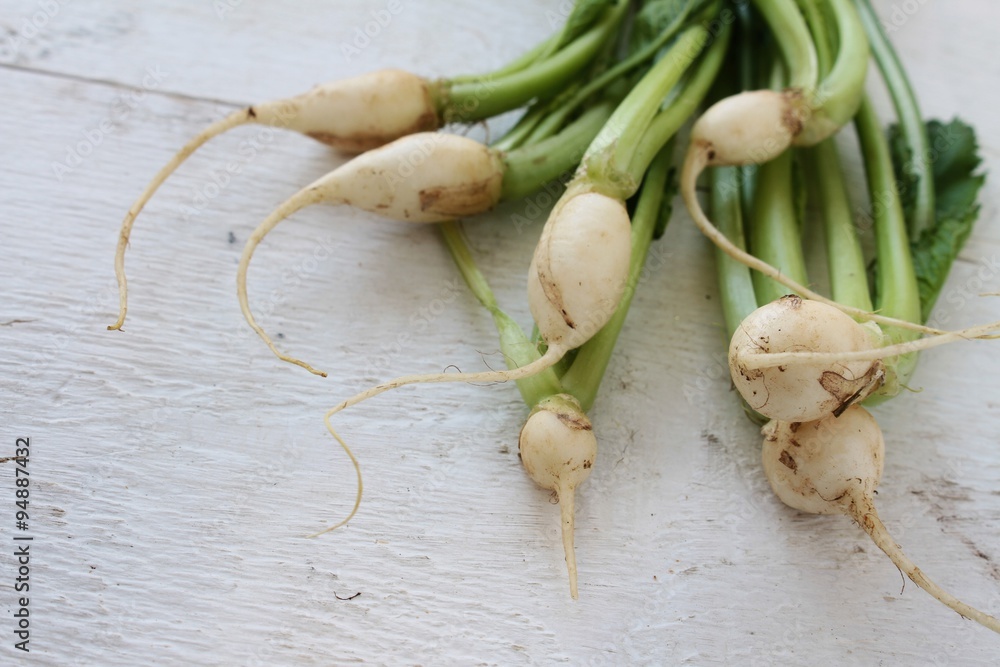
column 747, row 128
column 832, row 466
column 558, row 448
column 800, row 360
column 803, row 391
column 354, row 115
column 360, row 113
column 425, row 177
column 579, row 268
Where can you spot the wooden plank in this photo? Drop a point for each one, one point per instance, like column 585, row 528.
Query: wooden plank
column 177, row 467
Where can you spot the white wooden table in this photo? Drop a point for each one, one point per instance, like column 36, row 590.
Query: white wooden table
column 176, row 467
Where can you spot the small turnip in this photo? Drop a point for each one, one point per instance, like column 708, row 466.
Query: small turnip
column 558, row 449
column 803, row 391
column 833, row 466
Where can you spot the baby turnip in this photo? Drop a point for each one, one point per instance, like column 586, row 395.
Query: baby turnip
column 797, row 360
column 803, row 391
column 558, row 448
column 832, row 466
column 425, row 177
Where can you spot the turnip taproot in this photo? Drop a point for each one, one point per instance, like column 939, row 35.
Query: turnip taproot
column 833, row 466
column 558, row 449
column 354, row 114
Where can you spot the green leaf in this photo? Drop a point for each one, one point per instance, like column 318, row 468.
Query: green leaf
column 955, row 158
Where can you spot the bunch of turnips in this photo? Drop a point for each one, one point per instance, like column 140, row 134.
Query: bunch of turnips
column 765, row 85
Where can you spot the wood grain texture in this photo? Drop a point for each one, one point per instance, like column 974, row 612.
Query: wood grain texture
column 176, row 466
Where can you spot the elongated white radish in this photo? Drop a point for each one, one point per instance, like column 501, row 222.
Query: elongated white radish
column 354, row 115
column 802, row 391
column 359, row 113
column 558, row 449
column 579, row 268
column 425, row 177
column 832, row 466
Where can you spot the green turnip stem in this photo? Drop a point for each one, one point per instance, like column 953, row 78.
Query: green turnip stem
column 583, row 378
column 567, row 497
column 845, row 258
column 533, row 165
column 519, row 135
column 896, row 287
column 910, row 120
column 305, row 197
column 694, row 164
column 772, row 359
column 517, row 349
column 606, row 162
column 840, row 91
column 774, row 228
column 619, row 69
column 796, row 44
column 735, row 282
column 897, row 293
column 666, row 123
column 863, row 511
column 519, row 63
column 750, row 56
column 817, row 23
column 469, row 101
column 234, row 119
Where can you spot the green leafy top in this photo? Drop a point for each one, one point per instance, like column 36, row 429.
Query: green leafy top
column 955, row 158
